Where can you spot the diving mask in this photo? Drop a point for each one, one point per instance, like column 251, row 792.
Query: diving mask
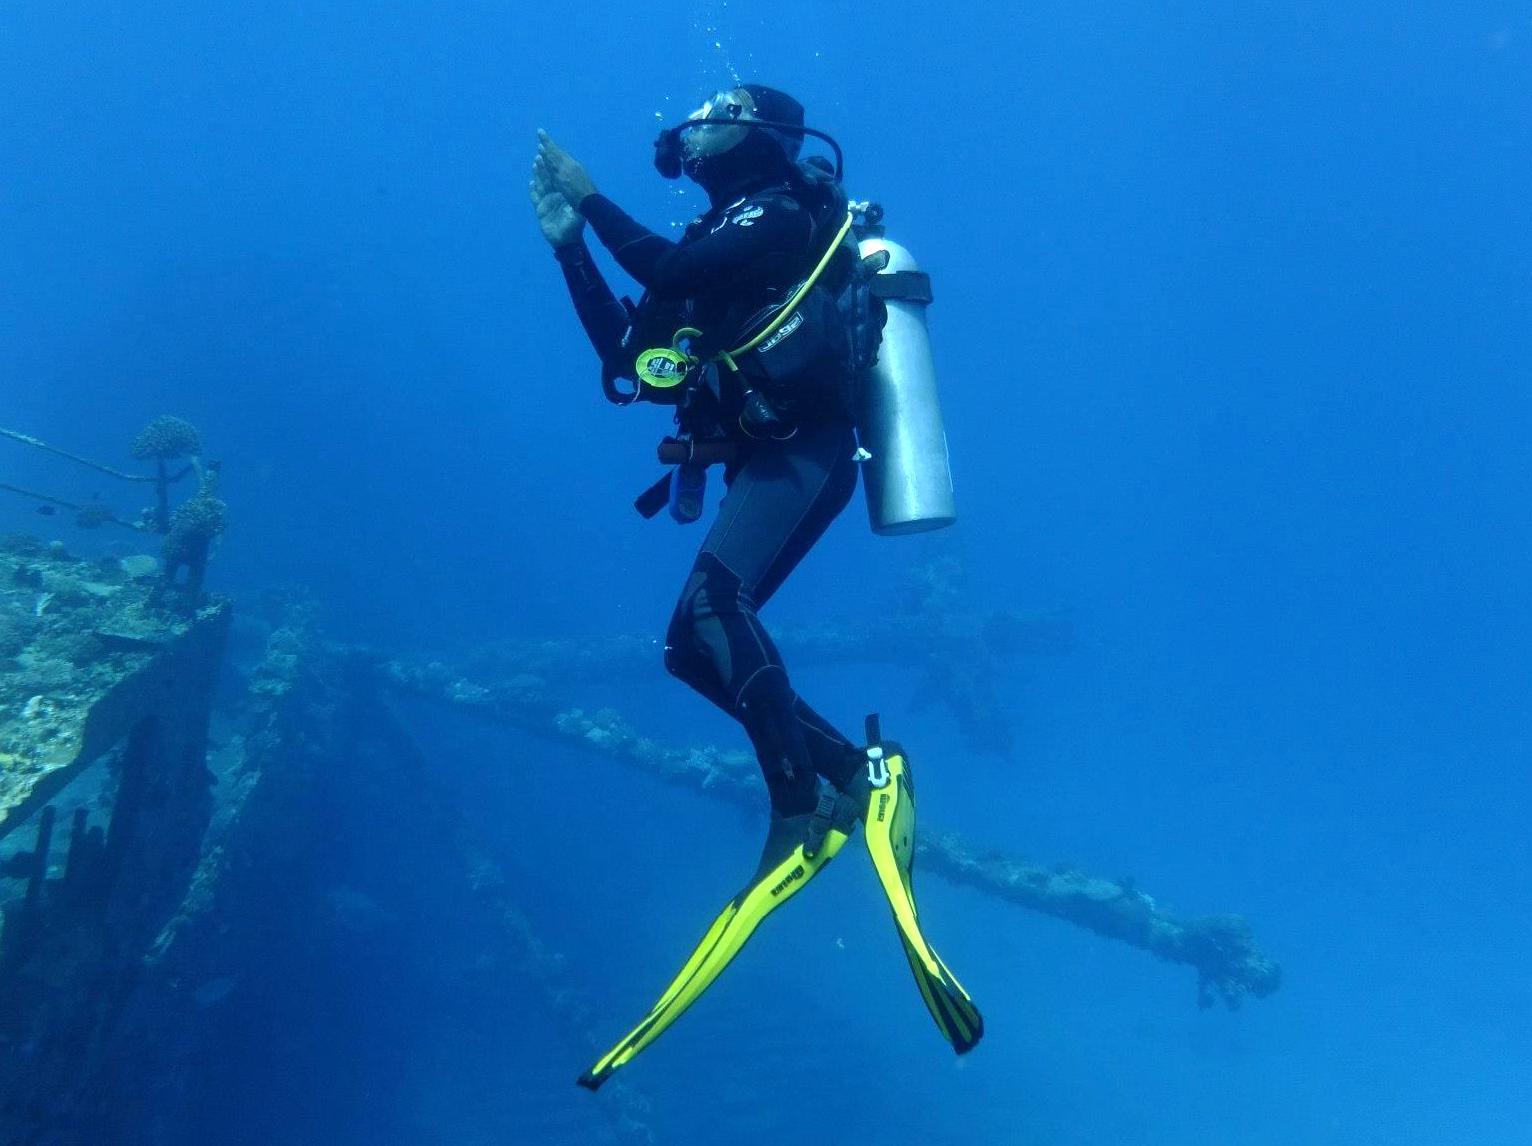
column 718, row 126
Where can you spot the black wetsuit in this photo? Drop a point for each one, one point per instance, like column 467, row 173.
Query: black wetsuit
column 782, row 494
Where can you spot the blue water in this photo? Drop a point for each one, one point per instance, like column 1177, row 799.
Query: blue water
column 1234, row 316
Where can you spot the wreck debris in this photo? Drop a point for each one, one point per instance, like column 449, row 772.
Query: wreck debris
column 143, row 928
column 67, row 695
column 194, row 526
column 37, row 443
column 136, row 720
column 88, row 515
column 1229, row 964
column 886, row 638
column 165, row 439
column 111, row 964
column 492, row 890
column 962, row 655
column 189, row 530
column 22, row 923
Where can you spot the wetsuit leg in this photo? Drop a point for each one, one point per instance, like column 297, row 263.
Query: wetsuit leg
column 779, row 504
column 834, row 757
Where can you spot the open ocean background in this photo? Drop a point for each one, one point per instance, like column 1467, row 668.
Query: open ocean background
column 1234, row 317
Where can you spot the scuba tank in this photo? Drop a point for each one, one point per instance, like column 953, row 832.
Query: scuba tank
column 908, row 477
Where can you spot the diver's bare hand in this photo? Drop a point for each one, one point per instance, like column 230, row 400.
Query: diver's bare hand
column 566, row 174
column 560, row 223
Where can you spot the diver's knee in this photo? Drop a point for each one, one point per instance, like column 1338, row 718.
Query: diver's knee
column 677, row 663
column 691, row 606
column 684, row 657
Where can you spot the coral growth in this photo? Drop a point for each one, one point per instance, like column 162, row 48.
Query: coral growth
column 167, row 437
column 193, row 527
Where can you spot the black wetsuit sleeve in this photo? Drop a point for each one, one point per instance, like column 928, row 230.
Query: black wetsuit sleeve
column 603, row 317
column 749, row 232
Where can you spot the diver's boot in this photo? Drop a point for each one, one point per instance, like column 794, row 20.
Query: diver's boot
column 797, row 847
column 889, row 814
column 836, row 815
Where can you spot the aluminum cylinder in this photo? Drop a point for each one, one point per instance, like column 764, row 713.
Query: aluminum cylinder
column 908, row 478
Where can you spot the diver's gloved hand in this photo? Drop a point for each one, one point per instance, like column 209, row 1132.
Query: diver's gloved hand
column 565, row 173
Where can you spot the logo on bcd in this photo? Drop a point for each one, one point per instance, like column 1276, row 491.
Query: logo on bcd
column 783, row 331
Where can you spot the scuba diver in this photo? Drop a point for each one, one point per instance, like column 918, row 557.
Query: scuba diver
column 755, row 326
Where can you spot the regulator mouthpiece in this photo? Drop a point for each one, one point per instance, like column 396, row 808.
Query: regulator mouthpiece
column 667, row 153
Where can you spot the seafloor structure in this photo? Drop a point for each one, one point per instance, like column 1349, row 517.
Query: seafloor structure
column 171, row 847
